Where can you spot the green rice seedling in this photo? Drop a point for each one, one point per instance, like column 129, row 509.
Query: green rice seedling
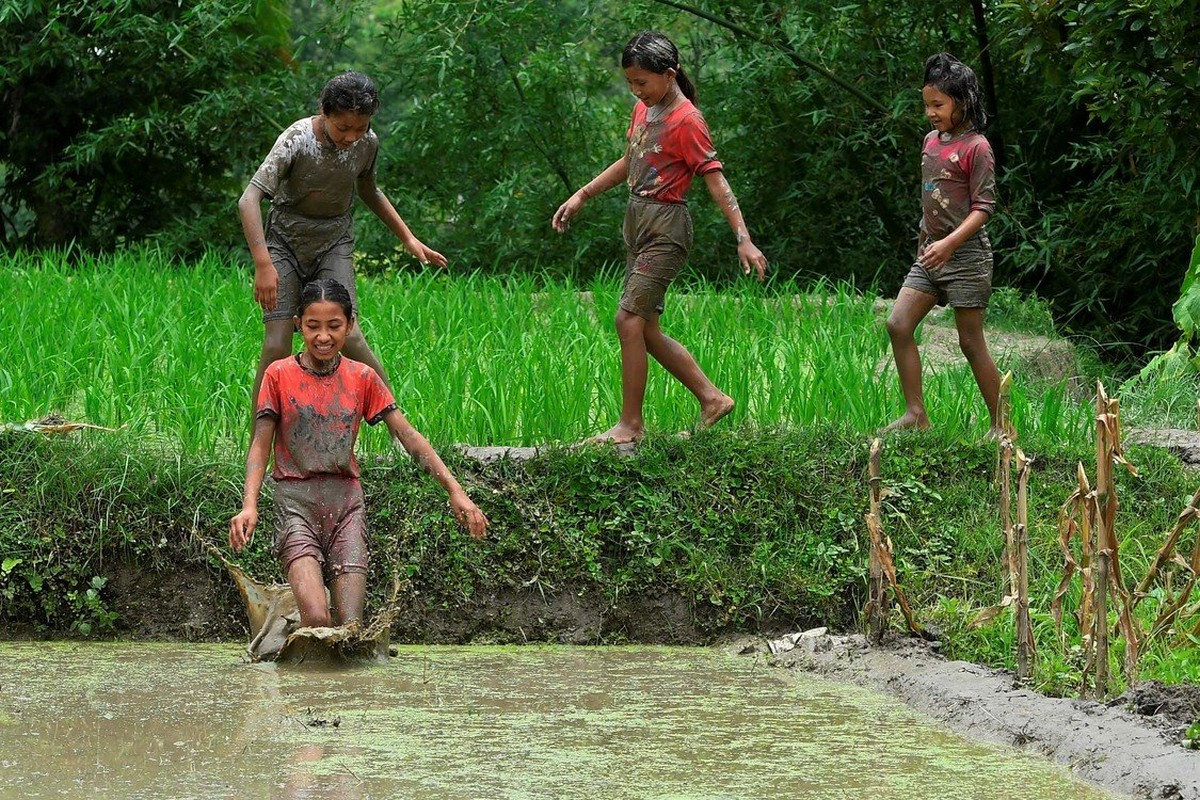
column 168, row 351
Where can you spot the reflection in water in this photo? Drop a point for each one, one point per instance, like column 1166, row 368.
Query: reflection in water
column 179, row 721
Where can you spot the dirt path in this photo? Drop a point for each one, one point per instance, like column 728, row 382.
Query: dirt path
column 1109, row 746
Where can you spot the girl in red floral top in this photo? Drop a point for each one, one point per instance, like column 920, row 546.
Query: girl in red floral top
column 954, row 255
column 668, row 143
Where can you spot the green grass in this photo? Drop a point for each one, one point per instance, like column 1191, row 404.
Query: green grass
column 169, row 353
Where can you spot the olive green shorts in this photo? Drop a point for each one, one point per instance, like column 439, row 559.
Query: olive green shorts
column 658, row 237
column 965, row 281
column 305, row 249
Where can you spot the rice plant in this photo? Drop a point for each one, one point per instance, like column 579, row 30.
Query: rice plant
column 168, row 352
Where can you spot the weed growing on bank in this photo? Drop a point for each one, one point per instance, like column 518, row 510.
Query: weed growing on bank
column 754, row 530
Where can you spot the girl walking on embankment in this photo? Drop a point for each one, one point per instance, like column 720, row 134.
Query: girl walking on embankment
column 668, row 144
column 954, row 255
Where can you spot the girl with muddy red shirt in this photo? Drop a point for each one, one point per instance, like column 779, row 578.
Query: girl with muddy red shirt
column 954, row 254
column 308, row 412
column 668, row 144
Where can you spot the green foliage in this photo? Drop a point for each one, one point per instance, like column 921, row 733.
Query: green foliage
column 1168, row 385
column 126, row 119
column 1186, row 310
column 753, row 529
column 472, row 358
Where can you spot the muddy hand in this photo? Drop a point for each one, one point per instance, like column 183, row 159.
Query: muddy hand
column 562, row 218
column 241, row 528
column 266, row 288
column 752, row 257
column 427, row 255
column 469, row 516
column 936, row 254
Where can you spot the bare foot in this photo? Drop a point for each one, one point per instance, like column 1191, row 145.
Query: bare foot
column 910, row 421
column 713, row 411
column 996, row 433
column 618, row 434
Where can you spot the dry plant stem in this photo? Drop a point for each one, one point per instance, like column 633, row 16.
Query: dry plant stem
column 1102, row 498
column 877, row 603
column 1186, row 517
column 883, row 548
column 1004, row 478
column 1025, row 643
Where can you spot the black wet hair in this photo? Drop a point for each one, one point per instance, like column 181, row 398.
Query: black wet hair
column 654, row 52
column 350, row 91
column 326, row 289
column 947, row 74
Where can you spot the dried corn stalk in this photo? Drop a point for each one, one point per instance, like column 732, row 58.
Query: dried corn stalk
column 882, row 565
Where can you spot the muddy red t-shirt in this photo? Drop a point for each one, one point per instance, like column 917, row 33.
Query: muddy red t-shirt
column 317, row 416
column 664, row 155
column 958, row 176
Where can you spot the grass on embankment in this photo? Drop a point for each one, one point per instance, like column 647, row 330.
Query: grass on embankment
column 754, row 529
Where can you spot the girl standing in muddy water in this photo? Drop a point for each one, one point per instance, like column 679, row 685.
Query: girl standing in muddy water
column 954, row 255
column 311, row 176
column 308, row 414
column 668, row 144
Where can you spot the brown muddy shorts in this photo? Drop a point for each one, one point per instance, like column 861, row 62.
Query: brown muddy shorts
column 305, row 249
column 322, row 517
column 658, row 237
column 965, row 281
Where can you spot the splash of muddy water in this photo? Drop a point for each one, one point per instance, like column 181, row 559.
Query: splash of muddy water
column 276, row 633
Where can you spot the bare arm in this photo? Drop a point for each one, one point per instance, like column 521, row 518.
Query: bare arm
column 374, row 198
column 266, row 277
column 417, row 446
column 241, row 527
column 613, row 175
column 937, row 253
column 722, row 193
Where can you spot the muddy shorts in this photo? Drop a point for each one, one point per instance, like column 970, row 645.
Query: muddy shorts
column 322, row 517
column 965, row 281
column 658, row 237
column 305, row 249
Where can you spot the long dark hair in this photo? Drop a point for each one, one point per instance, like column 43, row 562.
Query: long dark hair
column 947, row 74
column 654, row 52
column 350, row 91
column 325, row 289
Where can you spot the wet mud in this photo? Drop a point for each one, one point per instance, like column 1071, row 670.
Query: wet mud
column 276, row 633
column 1134, row 754
column 89, row 720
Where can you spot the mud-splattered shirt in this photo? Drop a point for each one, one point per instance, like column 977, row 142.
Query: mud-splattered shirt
column 664, row 155
column 958, row 176
column 318, row 415
column 307, row 175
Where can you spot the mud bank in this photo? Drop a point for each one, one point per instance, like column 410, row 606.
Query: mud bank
column 1109, row 745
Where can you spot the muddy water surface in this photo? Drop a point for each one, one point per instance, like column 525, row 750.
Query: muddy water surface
column 178, row 721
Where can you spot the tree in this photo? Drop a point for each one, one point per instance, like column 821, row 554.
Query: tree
column 123, row 119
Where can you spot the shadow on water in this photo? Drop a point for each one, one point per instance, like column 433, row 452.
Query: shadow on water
column 147, row 720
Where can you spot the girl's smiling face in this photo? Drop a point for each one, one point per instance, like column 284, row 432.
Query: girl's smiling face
column 324, row 327
column 649, row 87
column 941, row 110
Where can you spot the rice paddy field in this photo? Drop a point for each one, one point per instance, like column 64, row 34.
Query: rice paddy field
column 168, row 351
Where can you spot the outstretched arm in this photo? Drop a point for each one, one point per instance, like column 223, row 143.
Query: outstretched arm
column 241, row 527
column 613, row 175
column 465, row 511
column 380, row 206
column 266, row 277
column 722, row 193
